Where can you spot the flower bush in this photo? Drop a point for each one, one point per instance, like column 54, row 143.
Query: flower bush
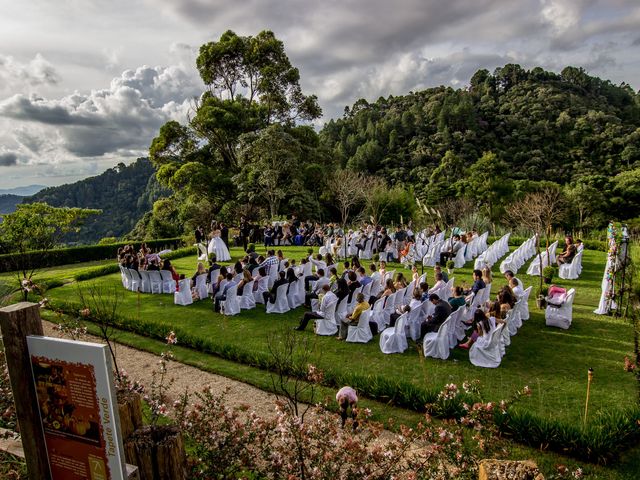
column 226, row 441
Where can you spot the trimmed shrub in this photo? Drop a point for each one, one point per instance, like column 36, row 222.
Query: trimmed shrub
column 64, row 256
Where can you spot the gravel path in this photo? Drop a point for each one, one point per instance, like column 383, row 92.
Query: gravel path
column 139, row 365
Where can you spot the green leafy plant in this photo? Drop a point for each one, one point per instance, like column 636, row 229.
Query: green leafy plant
column 450, row 264
column 548, row 274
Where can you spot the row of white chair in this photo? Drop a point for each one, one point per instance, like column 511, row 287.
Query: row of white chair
column 152, row 281
column 492, row 254
column 519, row 256
column 546, row 258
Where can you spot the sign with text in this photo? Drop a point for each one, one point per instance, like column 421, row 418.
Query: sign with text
column 78, row 409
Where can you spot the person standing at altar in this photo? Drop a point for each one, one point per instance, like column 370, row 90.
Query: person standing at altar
column 224, row 234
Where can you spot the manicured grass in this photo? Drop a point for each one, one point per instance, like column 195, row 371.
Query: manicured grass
column 552, row 362
column 626, row 467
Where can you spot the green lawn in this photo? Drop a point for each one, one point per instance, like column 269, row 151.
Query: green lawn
column 552, row 362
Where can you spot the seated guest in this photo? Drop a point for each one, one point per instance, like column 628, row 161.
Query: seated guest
column 415, row 302
column 320, row 265
column 347, row 269
column 440, row 314
column 262, row 273
column 328, row 300
column 213, row 265
column 291, row 275
column 389, row 288
column 333, row 276
column 451, row 250
column 579, row 245
column 569, row 252
column 272, row 296
column 481, row 326
column 487, row 278
column 363, row 278
column 355, row 263
column 439, row 283
column 383, row 271
column 166, row 265
column 400, row 282
column 415, row 276
column 222, row 294
column 506, row 296
column 246, row 278
column 509, row 275
column 218, row 285
column 342, row 289
column 516, row 288
column 424, row 291
column 199, row 271
column 438, row 269
column 354, row 317
column 457, row 300
column 478, row 283
column 270, row 261
column 237, row 268
column 353, row 283
column 321, row 281
column 251, row 264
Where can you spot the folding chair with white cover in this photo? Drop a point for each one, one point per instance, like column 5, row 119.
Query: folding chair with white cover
column 361, row 333
column 561, row 316
column 273, row 275
column 506, row 336
column 515, row 322
column 437, row 344
column 145, row 283
column 327, row 324
column 136, row 280
column 389, row 308
column 202, row 252
column 487, row 354
column 183, row 295
column 126, row 277
column 156, row 281
column 571, row 271
column 524, row 308
column 377, row 313
column 282, row 303
column 262, row 287
column 201, row 286
column 168, row 283
column 366, row 290
column 414, row 320
column 213, row 279
column 247, row 301
column 341, row 310
column 295, row 296
column 547, row 258
column 230, row 305
column 394, row 339
column 458, row 261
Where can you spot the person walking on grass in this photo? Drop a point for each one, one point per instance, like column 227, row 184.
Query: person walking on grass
column 347, row 397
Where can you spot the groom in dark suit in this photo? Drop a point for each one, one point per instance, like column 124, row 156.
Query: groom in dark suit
column 224, row 234
column 440, row 314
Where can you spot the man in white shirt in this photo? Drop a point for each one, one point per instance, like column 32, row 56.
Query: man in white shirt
column 456, row 244
column 328, row 299
column 320, row 265
column 321, row 281
column 509, row 275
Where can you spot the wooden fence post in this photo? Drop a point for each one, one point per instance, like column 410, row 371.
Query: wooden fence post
column 16, row 322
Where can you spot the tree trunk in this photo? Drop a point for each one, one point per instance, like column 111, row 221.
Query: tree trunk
column 158, row 452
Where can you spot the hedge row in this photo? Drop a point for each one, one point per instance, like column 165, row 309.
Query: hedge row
column 64, row 256
column 602, row 441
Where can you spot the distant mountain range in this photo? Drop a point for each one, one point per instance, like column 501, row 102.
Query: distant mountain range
column 124, row 193
column 22, row 191
column 8, row 202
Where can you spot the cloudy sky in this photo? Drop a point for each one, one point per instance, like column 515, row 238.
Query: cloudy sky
column 85, row 84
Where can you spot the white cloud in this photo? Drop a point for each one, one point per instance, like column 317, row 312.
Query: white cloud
column 37, row 71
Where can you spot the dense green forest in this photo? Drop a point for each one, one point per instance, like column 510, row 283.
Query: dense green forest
column 124, row 193
column 248, row 150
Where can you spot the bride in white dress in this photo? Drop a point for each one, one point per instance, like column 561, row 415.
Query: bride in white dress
column 217, row 246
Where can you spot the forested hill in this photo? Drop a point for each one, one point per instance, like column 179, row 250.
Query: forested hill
column 543, row 125
column 123, row 193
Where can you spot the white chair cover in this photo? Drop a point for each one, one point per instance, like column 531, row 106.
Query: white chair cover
column 145, row 283
column 377, row 313
column 488, row 354
column 436, row 344
column 201, row 286
column 295, row 296
column 183, row 296
column 524, row 308
column 262, row 287
column 394, row 339
column 136, row 280
column 168, row 283
column 327, row 324
column 282, row 303
column 126, row 277
column 156, row 281
column 571, row 271
column 231, row 305
column 213, row 279
column 361, row 333
column 247, row 301
column 414, row 321
column 458, row 261
column 561, row 317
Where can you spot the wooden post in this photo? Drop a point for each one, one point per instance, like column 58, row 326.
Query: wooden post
column 17, row 321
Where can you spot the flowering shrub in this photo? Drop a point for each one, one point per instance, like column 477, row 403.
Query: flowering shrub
column 157, row 395
column 226, row 441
